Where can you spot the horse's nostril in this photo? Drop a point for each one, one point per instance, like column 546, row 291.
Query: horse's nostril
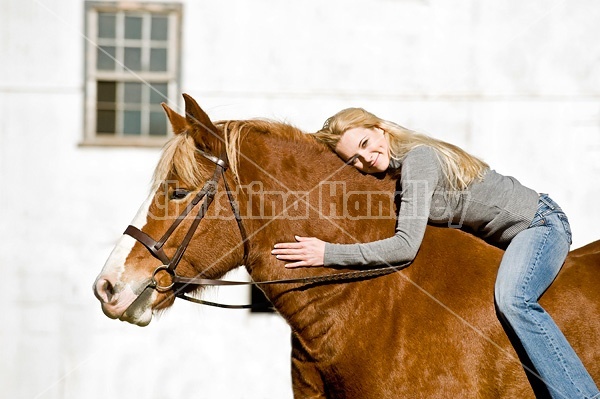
column 109, row 288
column 104, row 290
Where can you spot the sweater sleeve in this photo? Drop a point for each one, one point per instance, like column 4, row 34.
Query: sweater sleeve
column 420, row 175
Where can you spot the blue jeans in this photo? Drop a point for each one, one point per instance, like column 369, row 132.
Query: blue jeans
column 529, row 265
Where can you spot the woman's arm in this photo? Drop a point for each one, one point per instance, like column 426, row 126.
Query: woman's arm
column 420, row 175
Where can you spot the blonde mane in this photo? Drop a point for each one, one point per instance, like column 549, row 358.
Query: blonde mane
column 179, row 153
column 179, row 159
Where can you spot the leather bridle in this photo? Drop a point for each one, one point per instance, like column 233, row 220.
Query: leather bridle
column 207, row 193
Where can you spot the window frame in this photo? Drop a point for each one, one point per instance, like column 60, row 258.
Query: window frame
column 121, row 75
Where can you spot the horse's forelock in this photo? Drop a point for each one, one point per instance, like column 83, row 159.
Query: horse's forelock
column 179, row 160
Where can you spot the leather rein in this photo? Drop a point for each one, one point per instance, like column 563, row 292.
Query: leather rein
column 207, row 193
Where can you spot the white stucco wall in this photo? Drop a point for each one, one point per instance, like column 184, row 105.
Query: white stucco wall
column 517, row 83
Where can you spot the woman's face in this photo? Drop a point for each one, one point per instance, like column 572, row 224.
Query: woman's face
column 367, row 149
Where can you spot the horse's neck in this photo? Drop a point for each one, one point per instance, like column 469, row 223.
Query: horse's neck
column 305, row 175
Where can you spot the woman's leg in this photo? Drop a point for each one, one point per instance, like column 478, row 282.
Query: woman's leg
column 529, row 265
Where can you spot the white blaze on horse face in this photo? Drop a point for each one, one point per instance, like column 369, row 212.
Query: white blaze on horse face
column 115, row 264
column 118, row 296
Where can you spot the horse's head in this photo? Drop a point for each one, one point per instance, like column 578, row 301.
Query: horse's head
column 138, row 276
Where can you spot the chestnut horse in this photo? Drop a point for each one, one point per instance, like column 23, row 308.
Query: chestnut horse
column 429, row 330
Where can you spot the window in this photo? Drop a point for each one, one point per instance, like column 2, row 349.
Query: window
column 132, row 65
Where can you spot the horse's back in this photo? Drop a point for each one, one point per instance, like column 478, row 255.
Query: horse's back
column 580, row 271
column 590, row 251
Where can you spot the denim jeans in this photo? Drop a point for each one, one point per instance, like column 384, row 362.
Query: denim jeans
column 530, row 264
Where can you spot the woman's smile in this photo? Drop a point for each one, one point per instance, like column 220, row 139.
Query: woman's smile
column 365, row 146
column 375, row 161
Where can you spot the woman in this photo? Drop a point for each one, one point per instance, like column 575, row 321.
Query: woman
column 531, row 226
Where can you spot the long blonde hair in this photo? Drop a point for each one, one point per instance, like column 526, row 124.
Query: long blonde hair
column 460, row 168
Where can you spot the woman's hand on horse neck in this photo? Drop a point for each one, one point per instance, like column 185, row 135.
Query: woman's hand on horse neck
column 305, row 252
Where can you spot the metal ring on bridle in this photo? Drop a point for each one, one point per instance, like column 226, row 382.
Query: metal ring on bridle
column 155, row 284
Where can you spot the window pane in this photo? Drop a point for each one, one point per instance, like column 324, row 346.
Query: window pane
column 159, row 29
column 107, row 93
column 158, row 93
column 158, row 124
column 158, row 59
column 105, row 121
column 106, row 58
column 133, row 58
column 133, row 93
column 133, row 28
column 106, row 25
column 143, row 39
column 132, row 122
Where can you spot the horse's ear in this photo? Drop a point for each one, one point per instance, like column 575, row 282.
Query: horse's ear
column 178, row 122
column 204, row 131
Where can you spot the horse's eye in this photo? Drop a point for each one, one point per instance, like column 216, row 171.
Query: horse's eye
column 179, row 193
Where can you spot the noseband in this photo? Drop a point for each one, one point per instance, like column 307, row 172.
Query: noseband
column 208, row 192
